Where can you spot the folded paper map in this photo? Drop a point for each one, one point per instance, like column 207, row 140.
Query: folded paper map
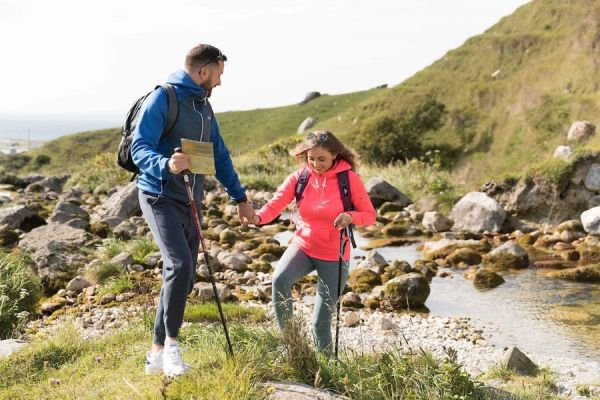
column 202, row 159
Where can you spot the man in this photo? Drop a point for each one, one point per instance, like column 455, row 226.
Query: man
column 163, row 197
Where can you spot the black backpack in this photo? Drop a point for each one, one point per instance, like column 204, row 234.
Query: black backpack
column 124, row 156
column 344, row 186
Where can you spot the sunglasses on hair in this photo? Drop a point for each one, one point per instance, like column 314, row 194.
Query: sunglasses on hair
column 219, row 57
column 318, row 136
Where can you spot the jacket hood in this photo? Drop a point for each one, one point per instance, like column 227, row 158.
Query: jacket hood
column 182, row 80
column 338, row 166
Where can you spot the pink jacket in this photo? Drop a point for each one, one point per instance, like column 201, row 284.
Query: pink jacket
column 319, row 207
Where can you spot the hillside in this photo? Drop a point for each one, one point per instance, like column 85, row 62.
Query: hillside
column 510, row 95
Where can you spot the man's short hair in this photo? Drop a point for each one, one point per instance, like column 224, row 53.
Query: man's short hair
column 202, row 55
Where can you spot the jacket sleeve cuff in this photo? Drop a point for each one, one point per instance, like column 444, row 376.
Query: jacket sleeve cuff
column 164, row 168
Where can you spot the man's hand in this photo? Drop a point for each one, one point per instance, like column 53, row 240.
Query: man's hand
column 179, row 162
column 246, row 213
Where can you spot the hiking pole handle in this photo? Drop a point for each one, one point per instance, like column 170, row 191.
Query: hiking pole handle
column 185, row 172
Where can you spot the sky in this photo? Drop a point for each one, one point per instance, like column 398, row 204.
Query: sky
column 67, row 57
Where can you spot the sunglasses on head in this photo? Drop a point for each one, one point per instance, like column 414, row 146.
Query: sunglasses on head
column 318, row 136
column 218, row 57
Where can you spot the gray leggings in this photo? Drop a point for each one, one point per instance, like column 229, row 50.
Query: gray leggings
column 295, row 264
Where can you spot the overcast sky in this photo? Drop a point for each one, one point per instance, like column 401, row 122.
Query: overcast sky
column 96, row 57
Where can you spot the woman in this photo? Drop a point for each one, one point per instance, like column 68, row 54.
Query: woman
column 316, row 244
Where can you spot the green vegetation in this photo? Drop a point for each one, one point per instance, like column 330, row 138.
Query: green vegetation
column 101, row 272
column 19, row 292
column 541, row 386
column 67, row 367
column 142, row 247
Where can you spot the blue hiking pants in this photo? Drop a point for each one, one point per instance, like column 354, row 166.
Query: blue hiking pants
column 172, row 225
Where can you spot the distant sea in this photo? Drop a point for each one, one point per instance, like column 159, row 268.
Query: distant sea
column 48, row 127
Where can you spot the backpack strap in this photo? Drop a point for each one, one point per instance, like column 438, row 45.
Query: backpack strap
column 301, row 184
column 173, row 107
column 172, row 112
column 345, row 195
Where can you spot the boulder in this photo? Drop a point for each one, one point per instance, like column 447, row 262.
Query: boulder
column 409, row 290
column 586, row 274
column 590, row 220
column 363, row 279
column 487, row 279
column 22, row 217
column 123, row 203
column 592, row 178
column 514, row 359
column 65, row 211
column 434, row 221
column 581, row 131
column 476, row 212
column 444, row 247
column 54, row 250
column 381, row 191
column 77, row 284
column 507, row 255
column 305, row 125
column 204, row 291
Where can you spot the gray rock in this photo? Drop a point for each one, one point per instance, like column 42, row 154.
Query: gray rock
column 514, row 359
column 65, row 211
column 78, row 223
column 123, row 203
column 54, row 250
column 590, row 220
column 234, row 261
column 381, row 191
column 77, row 284
column 125, row 229
column 351, row 319
column 50, row 184
column 592, row 178
column 14, row 217
column 434, row 221
column 204, row 291
column 581, row 131
column 308, row 123
column 310, row 96
column 297, row 391
column 476, row 212
column 563, row 152
column 123, row 259
column 9, row 346
column 507, row 255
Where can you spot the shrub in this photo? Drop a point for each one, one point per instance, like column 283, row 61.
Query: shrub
column 19, row 293
column 398, row 138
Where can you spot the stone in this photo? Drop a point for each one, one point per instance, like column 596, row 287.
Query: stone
column 381, row 191
column 586, row 274
column 592, row 178
column 9, row 346
column 476, row 212
column 590, row 219
column 204, row 291
column 409, row 290
column 351, row 319
column 581, row 131
column 352, row 300
column 467, row 256
column 563, row 152
column 305, row 125
column 507, row 255
column 18, row 217
column 296, row 391
column 229, row 236
column 487, row 279
column 65, row 211
column 514, row 359
column 444, row 247
column 363, row 279
column 123, row 203
column 434, row 221
column 310, row 96
column 123, row 258
column 77, row 284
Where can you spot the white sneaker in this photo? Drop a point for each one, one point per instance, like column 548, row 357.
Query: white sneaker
column 154, row 362
column 173, row 364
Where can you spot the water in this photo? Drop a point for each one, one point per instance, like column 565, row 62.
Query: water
column 538, row 314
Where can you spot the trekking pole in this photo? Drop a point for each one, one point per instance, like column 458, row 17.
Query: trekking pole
column 188, row 189
column 339, row 300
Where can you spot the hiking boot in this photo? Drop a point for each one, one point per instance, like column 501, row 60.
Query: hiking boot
column 173, row 364
column 154, row 362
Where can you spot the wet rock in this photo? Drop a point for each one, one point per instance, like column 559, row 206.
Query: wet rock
column 514, row 359
column 508, row 255
column 434, row 221
column 397, row 268
column 398, row 228
column 409, row 290
column 466, row 256
column 476, row 212
column 548, row 264
column 487, row 279
column 590, row 274
column 391, row 206
column 363, row 279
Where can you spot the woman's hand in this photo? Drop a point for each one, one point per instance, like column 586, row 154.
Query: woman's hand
column 255, row 219
column 342, row 221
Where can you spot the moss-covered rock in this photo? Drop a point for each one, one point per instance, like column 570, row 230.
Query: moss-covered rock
column 409, row 290
column 397, row 228
column 261, row 266
column 589, row 273
column 589, row 253
column 487, row 279
column 508, row 255
column 466, row 256
column 573, row 225
column 443, row 248
column 269, row 248
column 397, row 268
column 363, row 280
column 526, row 240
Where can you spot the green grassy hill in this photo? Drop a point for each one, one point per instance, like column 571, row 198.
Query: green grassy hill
column 510, row 95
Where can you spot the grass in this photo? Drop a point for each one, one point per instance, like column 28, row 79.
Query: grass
column 116, row 284
column 101, row 272
column 64, row 366
column 209, row 312
column 141, row 247
column 540, row 386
